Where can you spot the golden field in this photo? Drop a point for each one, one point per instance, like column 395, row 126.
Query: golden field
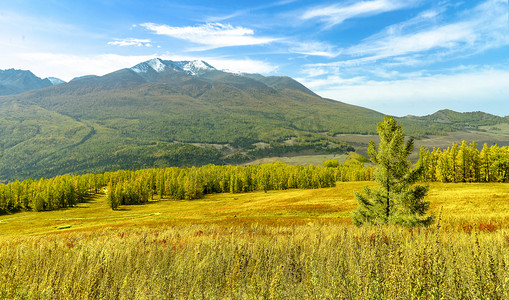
column 293, row 244
column 462, row 204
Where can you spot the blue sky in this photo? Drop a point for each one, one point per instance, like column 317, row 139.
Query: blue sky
column 398, row 57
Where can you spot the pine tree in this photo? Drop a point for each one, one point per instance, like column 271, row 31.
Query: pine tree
column 395, row 201
column 463, row 160
column 424, row 163
column 485, row 163
column 111, row 197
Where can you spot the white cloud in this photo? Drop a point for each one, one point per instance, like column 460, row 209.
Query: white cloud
column 396, row 60
column 211, row 35
column 68, row 66
column 131, row 42
column 337, row 13
column 447, row 36
column 242, row 65
column 474, row 90
column 477, row 30
column 315, row 49
column 331, row 82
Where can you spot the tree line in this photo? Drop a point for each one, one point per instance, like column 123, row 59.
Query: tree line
column 136, row 187
column 125, row 187
column 458, row 163
column 44, row 194
column 465, row 163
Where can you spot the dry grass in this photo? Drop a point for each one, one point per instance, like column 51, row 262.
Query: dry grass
column 256, row 262
column 462, row 204
column 294, row 244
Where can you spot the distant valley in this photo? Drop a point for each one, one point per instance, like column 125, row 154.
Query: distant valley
column 161, row 113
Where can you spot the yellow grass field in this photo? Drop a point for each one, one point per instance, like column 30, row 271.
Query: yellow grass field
column 462, row 204
column 294, row 244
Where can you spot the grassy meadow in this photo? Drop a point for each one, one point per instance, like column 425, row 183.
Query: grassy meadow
column 293, row 244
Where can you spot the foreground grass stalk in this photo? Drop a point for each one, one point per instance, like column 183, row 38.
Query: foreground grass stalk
column 257, row 262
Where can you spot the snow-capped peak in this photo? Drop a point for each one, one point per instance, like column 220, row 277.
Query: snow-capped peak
column 196, row 67
column 156, row 64
column 193, row 68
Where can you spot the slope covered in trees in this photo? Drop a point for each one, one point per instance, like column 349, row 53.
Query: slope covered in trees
column 130, row 119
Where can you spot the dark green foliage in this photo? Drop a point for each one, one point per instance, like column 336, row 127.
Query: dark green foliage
column 112, row 196
column 395, row 201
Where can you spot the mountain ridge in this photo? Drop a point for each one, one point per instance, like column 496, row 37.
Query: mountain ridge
column 175, row 113
column 13, row 81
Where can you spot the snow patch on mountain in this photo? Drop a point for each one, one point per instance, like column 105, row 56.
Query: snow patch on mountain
column 156, row 64
column 196, row 67
column 193, row 68
column 55, row 80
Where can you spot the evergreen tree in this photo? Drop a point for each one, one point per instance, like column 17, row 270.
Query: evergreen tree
column 112, row 198
column 463, row 160
column 485, row 163
column 453, row 157
column 424, row 163
column 395, row 201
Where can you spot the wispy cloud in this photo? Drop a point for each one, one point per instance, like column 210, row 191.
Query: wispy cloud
column 424, row 40
column 447, row 36
column 315, row 49
column 131, row 42
column 396, row 71
column 485, row 27
column 243, row 65
column 338, row 13
column 247, row 11
column 211, row 35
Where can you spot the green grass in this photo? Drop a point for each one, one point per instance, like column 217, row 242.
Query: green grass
column 301, row 159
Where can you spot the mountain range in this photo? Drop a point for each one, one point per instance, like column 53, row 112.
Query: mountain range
column 18, row 81
column 162, row 112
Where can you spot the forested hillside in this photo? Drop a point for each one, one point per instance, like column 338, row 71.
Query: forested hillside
column 163, row 113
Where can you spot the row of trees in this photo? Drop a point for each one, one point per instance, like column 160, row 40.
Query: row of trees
column 43, row 194
column 465, row 163
column 458, row 163
column 138, row 187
